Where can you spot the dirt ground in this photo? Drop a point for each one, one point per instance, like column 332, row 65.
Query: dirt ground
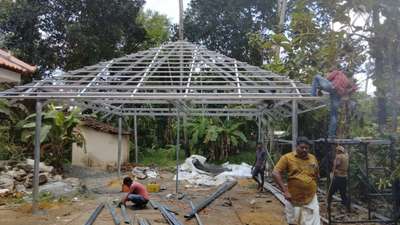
column 240, row 206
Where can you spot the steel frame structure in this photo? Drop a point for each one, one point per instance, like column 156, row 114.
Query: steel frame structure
column 176, row 79
column 177, row 76
column 390, row 197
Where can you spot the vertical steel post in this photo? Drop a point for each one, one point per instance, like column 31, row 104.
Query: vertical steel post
column 119, row 144
column 136, row 141
column 294, row 124
column 259, row 128
column 365, row 150
column 348, row 182
column 180, row 20
column 177, row 151
column 185, row 137
column 395, row 182
column 38, row 126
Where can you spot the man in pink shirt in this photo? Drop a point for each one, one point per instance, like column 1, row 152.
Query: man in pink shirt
column 337, row 85
column 137, row 194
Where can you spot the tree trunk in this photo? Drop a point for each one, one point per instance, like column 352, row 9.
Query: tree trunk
column 377, row 54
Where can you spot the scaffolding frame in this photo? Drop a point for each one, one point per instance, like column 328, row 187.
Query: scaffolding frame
column 362, row 146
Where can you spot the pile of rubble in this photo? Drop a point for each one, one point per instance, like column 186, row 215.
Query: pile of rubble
column 17, row 177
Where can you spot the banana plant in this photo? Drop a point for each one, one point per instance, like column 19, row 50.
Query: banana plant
column 58, row 132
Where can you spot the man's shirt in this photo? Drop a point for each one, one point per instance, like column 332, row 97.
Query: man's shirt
column 302, row 176
column 138, row 189
column 341, row 83
column 343, row 160
column 261, row 155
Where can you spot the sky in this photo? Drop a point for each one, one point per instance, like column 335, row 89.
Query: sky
column 166, row 7
column 171, row 9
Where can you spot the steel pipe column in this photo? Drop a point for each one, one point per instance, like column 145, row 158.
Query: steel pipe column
column 259, row 129
column 38, row 126
column 294, row 124
column 177, row 151
column 119, row 144
column 136, row 141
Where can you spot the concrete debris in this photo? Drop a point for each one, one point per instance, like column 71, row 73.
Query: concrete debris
column 144, row 172
column 43, row 178
column 17, row 177
column 75, row 182
column 58, row 189
column 42, row 166
column 20, row 188
column 4, row 192
column 57, row 177
column 6, row 182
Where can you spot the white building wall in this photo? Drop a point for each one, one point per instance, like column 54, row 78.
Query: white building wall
column 101, row 149
column 9, row 76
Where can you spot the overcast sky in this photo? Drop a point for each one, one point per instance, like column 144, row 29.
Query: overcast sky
column 166, row 7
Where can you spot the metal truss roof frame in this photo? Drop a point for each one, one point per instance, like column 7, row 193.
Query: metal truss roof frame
column 177, row 76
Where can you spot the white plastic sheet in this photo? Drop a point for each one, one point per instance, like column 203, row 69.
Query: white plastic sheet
column 188, row 172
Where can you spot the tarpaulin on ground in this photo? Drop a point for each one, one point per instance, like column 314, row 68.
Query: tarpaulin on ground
column 190, row 172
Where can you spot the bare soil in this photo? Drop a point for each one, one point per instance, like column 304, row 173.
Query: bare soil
column 242, row 205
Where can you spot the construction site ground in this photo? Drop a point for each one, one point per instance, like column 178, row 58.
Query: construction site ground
column 242, row 205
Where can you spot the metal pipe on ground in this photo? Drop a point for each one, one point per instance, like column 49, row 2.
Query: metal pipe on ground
column 143, row 221
column 196, row 214
column 127, row 220
column 113, row 214
column 156, row 205
column 94, row 215
column 222, row 189
column 170, row 217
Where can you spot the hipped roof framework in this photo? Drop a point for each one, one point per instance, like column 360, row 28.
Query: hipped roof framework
column 175, row 77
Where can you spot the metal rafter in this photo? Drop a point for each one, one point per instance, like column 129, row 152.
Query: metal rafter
column 177, row 75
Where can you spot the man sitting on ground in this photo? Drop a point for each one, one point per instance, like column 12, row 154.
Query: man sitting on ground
column 137, row 194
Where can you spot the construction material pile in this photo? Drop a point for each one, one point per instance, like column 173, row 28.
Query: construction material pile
column 17, row 178
column 196, row 171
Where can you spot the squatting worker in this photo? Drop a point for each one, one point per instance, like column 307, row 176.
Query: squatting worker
column 302, row 171
column 259, row 166
column 137, row 194
column 339, row 170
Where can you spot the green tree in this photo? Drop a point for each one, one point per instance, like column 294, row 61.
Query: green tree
column 222, row 25
column 217, row 138
column 71, row 34
column 157, row 27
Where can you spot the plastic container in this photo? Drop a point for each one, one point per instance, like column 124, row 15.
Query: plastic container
column 153, row 187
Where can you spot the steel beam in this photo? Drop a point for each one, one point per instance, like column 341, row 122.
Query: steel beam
column 38, row 126
column 127, row 220
column 221, row 190
column 94, row 215
column 294, row 125
column 177, row 151
column 136, row 140
column 114, row 216
column 119, row 144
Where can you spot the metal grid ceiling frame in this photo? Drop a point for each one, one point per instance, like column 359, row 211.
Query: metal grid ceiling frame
column 175, row 77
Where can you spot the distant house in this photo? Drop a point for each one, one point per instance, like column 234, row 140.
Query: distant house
column 11, row 68
column 101, row 146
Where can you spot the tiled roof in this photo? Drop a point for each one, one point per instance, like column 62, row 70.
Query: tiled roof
column 8, row 61
column 99, row 126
